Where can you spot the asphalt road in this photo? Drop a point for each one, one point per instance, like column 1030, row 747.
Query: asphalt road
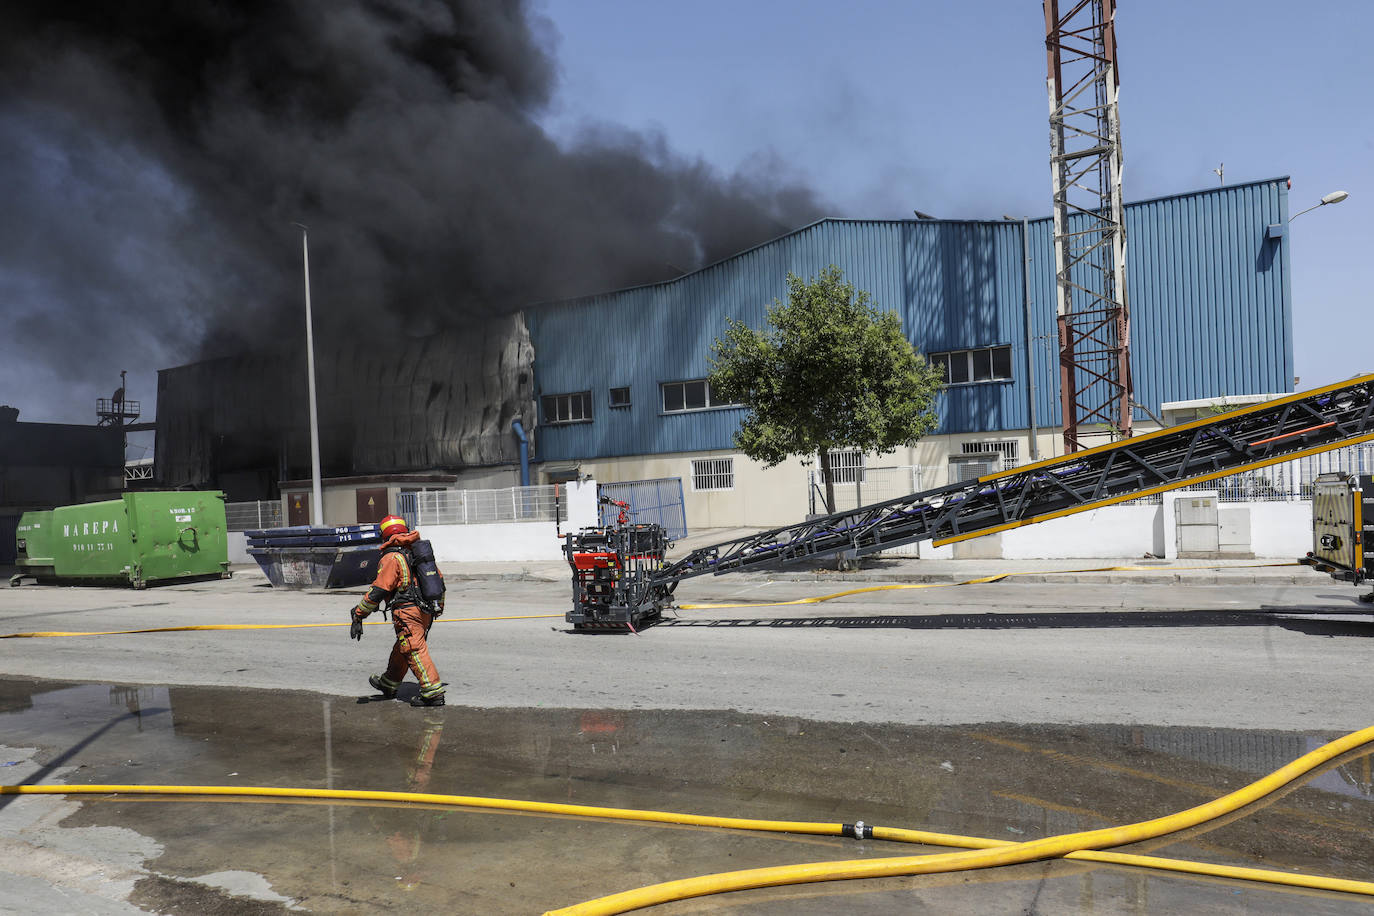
column 1271, row 656
column 1012, row 710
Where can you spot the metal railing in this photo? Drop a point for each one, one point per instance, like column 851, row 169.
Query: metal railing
column 483, row 507
column 253, row 515
column 109, row 408
column 1287, row 482
column 874, row 485
column 141, row 469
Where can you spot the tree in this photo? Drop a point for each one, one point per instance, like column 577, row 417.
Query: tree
column 831, row 371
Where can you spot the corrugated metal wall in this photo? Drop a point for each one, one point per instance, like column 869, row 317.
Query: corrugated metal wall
column 1209, row 297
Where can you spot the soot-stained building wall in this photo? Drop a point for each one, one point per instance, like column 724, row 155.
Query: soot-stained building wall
column 440, row 402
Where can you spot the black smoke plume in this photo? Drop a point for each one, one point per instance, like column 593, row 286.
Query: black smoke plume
column 156, row 154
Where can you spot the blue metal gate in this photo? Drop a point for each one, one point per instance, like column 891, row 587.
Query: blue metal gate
column 651, row 502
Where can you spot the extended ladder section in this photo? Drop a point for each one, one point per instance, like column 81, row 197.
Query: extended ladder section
column 1280, row 430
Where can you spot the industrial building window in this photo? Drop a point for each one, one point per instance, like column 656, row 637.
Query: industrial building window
column 846, row 465
column 713, row 473
column 567, row 408
column 1007, row 449
column 620, row 397
column 963, row 468
column 986, row 364
column 694, row 394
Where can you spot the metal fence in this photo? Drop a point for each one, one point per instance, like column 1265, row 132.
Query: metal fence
column 253, row 515
column 657, row 501
column 872, row 485
column 483, row 507
column 1287, row 482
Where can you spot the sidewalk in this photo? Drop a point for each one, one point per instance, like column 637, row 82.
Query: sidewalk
column 1277, row 571
column 1269, row 571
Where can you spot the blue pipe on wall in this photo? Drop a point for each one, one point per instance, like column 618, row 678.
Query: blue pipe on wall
column 519, row 430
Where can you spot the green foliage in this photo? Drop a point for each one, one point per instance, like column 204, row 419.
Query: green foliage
column 830, row 371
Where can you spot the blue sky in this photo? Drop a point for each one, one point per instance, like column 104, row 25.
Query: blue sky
column 887, row 106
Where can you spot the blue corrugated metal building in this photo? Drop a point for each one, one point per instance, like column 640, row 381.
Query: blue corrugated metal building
column 1207, row 282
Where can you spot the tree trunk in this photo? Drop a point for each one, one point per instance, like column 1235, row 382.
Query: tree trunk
column 829, row 479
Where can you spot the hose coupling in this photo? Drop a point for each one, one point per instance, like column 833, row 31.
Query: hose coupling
column 857, row 830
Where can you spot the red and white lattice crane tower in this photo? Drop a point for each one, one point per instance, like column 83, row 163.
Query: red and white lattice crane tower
column 1089, row 231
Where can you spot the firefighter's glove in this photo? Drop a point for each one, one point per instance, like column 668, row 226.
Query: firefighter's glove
column 355, row 631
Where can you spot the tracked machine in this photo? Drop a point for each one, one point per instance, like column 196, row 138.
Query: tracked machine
column 1342, row 520
column 622, row 578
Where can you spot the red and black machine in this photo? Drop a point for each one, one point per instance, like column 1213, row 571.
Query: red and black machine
column 614, row 569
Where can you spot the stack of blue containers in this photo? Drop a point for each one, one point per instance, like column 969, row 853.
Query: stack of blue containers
column 306, row 556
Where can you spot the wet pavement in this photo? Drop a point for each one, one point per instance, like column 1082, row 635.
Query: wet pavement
column 112, row 854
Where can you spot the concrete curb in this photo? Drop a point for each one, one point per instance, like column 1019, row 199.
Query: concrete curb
column 913, row 575
column 1239, row 576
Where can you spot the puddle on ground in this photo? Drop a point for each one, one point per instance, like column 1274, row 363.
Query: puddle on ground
column 998, row 781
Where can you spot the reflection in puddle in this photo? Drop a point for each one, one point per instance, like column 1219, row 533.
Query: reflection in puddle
column 1002, row 782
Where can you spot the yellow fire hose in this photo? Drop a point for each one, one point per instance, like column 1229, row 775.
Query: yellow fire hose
column 986, row 853
column 1066, row 845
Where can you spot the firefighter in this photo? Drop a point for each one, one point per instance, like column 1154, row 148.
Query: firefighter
column 395, row 585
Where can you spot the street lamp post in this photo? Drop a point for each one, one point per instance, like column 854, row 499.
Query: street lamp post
column 316, row 500
column 1030, row 356
column 1334, row 197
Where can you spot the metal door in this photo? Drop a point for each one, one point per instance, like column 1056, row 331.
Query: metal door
column 298, row 509
column 372, row 505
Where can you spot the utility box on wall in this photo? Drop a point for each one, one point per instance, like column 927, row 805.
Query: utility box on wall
column 1196, row 520
column 1208, row 529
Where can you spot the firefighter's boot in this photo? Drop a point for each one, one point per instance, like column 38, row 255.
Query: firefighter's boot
column 382, row 685
column 432, row 699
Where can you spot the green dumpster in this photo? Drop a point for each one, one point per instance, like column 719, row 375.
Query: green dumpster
column 141, row 538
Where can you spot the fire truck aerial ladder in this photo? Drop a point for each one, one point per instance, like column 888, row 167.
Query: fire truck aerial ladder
column 622, row 577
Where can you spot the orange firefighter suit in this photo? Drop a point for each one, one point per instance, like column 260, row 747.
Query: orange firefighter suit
column 395, row 585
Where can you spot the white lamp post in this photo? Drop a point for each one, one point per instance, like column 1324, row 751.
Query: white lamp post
column 1334, row 197
column 316, row 500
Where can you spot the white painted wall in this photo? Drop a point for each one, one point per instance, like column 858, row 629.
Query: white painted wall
column 1277, row 530
column 1281, row 529
column 529, row 542
column 1113, row 531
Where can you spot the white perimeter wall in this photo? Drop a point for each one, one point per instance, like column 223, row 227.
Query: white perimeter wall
column 1277, row 529
column 1113, row 531
column 1280, row 529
